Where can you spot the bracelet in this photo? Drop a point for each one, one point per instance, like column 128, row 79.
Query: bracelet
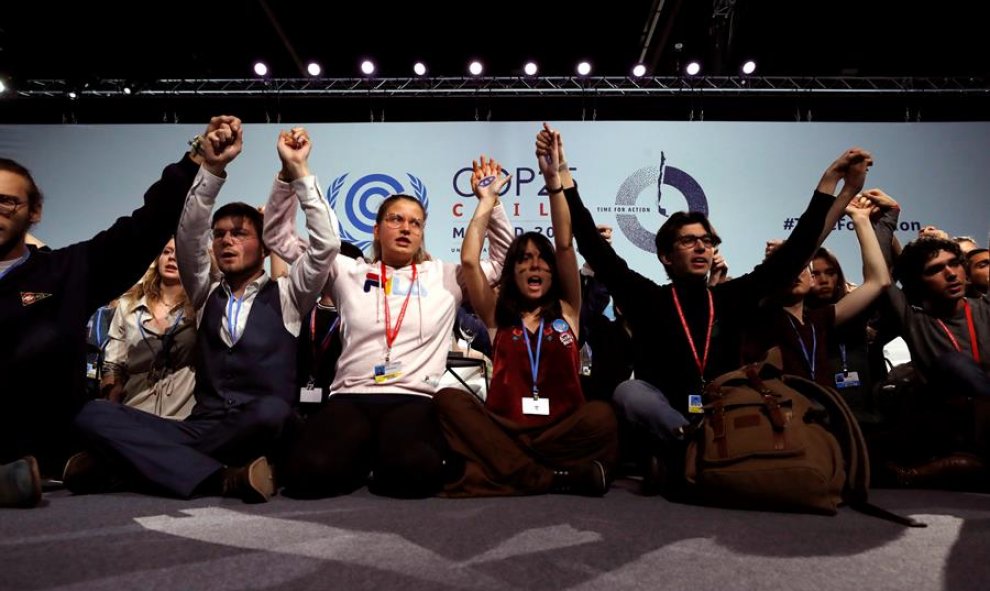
column 559, row 189
column 562, row 167
column 196, row 145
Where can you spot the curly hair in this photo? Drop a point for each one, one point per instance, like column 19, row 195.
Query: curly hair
column 909, row 266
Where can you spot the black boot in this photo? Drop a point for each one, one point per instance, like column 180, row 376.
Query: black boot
column 589, row 479
column 20, row 483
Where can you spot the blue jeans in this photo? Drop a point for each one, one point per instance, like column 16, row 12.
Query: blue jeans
column 645, row 407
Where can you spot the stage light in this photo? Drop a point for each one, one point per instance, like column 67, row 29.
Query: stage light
column 260, row 69
column 126, row 89
column 639, row 70
column 693, row 69
column 419, row 68
column 73, row 95
column 475, row 68
column 530, row 69
column 749, row 67
column 3, row 86
column 583, row 69
column 368, row 67
column 314, row 69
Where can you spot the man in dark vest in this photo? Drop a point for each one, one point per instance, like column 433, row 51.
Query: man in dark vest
column 246, row 358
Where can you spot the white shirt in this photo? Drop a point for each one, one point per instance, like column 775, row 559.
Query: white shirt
column 298, row 291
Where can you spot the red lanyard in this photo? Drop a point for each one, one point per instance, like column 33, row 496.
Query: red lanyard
column 972, row 333
column 703, row 361
column 391, row 333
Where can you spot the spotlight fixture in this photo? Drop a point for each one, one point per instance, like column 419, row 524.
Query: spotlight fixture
column 584, row 68
column 749, row 67
column 475, row 68
column 3, row 86
column 314, row 69
column 126, row 89
column 693, row 69
column 260, row 69
column 419, row 68
column 73, row 95
column 530, row 69
column 368, row 67
column 639, row 70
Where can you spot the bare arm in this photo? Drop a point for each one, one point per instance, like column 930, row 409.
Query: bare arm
column 851, row 168
column 486, row 182
column 549, row 155
column 876, row 277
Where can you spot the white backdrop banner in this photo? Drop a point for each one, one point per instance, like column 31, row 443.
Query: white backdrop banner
column 753, row 179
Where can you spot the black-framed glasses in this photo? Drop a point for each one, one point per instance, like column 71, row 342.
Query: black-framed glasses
column 10, row 204
column 686, row 242
column 396, row 221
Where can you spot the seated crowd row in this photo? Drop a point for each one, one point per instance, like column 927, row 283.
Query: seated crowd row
column 211, row 376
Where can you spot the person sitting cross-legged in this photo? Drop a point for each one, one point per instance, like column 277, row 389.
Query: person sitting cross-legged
column 246, row 349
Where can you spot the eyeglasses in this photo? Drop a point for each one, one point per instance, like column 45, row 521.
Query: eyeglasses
column 10, row 204
column 686, row 242
column 396, row 221
column 237, row 235
column 938, row 268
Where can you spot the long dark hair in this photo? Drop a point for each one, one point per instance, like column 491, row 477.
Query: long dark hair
column 841, row 287
column 511, row 303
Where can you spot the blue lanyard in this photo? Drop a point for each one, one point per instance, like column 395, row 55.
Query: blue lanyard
column 96, row 329
column 325, row 343
column 534, row 362
column 810, row 360
column 16, row 264
column 233, row 316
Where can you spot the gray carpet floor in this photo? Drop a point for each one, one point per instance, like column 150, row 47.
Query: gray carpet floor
column 624, row 541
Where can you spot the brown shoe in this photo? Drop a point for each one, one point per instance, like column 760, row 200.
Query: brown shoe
column 86, row 474
column 20, row 484
column 253, row 483
column 952, row 471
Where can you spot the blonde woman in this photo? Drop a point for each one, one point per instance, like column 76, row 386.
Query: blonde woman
column 152, row 341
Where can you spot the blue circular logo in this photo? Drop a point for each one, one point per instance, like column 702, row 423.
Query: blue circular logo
column 654, row 178
column 361, row 202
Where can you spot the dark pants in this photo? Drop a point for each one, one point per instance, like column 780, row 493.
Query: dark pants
column 394, row 436
column 178, row 456
column 966, row 386
column 501, row 458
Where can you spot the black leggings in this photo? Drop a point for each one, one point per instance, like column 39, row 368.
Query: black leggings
column 396, row 437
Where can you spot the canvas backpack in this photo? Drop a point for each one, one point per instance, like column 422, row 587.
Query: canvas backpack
column 778, row 442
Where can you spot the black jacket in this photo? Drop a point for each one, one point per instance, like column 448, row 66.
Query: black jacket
column 45, row 304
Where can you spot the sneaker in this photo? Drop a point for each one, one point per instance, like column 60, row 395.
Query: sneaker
column 589, row 479
column 20, row 483
column 253, row 483
column 86, row 474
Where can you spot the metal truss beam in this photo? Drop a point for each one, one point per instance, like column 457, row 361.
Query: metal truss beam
column 514, row 86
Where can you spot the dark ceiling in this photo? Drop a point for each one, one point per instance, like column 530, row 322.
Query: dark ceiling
column 182, row 39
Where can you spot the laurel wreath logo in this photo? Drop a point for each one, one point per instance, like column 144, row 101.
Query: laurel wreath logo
column 419, row 190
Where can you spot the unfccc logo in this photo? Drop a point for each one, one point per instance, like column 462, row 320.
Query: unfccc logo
column 361, row 201
column 627, row 213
